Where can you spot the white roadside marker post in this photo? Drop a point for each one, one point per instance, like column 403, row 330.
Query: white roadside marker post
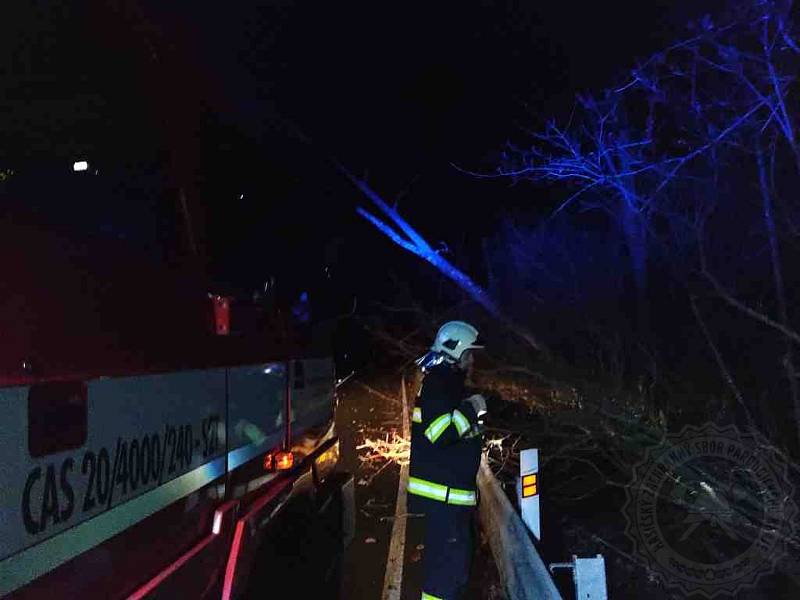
column 589, row 574
column 528, row 491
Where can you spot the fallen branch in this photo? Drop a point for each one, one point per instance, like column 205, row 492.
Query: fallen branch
column 726, row 374
column 410, row 240
column 395, row 449
column 750, row 312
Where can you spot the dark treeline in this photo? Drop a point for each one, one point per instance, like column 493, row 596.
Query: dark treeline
column 667, row 266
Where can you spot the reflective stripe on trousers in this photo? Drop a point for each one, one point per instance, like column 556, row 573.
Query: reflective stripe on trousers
column 430, row 597
column 441, row 493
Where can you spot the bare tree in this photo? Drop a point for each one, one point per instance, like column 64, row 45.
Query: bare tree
column 700, row 107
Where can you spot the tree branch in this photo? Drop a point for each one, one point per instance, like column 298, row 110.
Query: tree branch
column 388, row 231
column 417, row 239
column 758, row 316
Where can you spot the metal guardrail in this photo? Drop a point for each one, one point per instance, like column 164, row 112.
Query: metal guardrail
column 516, row 556
column 521, row 568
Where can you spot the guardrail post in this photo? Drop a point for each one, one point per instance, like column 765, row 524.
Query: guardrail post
column 589, row 576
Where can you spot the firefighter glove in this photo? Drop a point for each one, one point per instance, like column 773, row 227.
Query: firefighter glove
column 478, row 403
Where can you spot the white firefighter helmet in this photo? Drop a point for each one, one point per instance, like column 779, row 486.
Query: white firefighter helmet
column 454, row 338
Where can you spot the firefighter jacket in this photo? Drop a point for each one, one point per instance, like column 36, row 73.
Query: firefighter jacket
column 444, row 457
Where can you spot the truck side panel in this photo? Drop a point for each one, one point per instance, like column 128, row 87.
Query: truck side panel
column 149, row 442
column 256, row 420
column 110, row 487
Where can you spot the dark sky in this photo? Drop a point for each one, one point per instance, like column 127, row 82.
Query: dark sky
column 258, row 97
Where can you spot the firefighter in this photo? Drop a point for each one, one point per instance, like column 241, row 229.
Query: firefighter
column 445, row 456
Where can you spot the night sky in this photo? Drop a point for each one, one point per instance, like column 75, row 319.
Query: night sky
column 259, row 100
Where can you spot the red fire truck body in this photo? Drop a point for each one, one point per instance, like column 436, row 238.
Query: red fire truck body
column 144, row 455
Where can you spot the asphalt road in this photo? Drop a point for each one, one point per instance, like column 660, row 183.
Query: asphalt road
column 369, row 408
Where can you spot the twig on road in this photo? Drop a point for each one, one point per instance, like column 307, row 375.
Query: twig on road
column 378, row 472
column 380, row 394
column 394, row 450
column 403, row 516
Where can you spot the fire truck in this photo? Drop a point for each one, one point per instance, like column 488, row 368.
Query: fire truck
column 148, row 448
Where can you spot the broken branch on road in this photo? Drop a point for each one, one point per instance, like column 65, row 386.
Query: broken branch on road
column 393, row 449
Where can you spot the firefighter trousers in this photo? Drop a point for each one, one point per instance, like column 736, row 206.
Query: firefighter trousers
column 449, row 548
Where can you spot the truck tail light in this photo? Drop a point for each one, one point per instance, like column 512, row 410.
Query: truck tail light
column 284, row 461
column 278, row 461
